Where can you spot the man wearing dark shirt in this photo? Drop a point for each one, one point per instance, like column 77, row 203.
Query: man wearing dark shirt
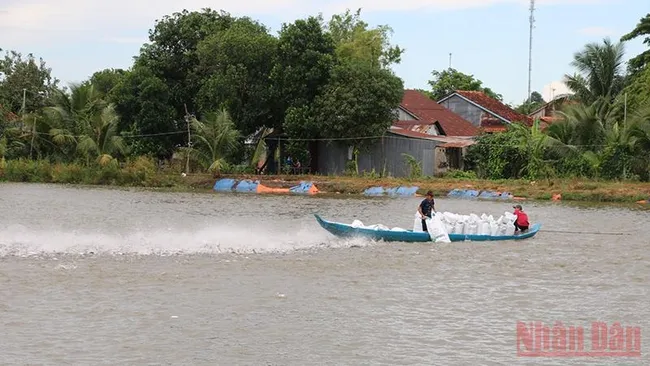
column 427, row 206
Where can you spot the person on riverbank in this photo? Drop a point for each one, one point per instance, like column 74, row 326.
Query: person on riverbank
column 521, row 223
column 426, row 208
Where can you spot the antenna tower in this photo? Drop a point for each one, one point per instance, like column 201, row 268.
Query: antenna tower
column 530, row 44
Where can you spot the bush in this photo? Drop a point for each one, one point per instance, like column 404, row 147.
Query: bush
column 461, row 174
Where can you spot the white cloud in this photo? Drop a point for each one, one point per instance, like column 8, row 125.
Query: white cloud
column 596, row 31
column 554, row 89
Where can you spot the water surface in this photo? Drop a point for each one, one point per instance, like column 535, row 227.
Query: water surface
column 94, row 276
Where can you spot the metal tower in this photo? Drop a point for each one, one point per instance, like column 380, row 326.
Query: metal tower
column 530, row 44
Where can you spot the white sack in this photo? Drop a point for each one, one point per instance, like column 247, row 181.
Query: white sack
column 437, row 230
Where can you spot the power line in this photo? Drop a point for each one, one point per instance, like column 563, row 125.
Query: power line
column 357, row 138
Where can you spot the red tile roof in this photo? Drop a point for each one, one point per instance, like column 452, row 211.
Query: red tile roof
column 10, row 116
column 495, row 106
column 430, row 112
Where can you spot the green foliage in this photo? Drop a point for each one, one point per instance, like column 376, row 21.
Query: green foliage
column 448, row 81
column 313, row 80
column 531, row 104
column 497, row 156
column 600, row 73
column 143, row 101
column 26, row 77
column 415, row 170
column 641, row 61
column 140, row 171
column 237, row 63
column 304, row 62
column 359, row 44
column 461, row 174
column 214, row 139
column 359, row 100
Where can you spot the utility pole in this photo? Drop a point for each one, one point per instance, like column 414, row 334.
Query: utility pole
column 22, row 122
column 450, row 60
column 530, row 45
column 189, row 141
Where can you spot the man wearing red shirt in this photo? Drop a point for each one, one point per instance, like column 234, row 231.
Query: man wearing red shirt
column 521, row 224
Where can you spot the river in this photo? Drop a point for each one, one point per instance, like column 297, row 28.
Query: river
column 92, row 276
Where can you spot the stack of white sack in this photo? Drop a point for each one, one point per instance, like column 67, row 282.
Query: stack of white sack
column 435, row 227
column 360, row 225
column 479, row 225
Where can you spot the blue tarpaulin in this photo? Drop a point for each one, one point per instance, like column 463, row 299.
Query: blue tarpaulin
column 224, row 185
column 247, row 186
column 406, row 191
column 374, row 191
column 302, row 188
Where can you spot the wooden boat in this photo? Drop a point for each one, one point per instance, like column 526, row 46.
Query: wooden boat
column 409, row 236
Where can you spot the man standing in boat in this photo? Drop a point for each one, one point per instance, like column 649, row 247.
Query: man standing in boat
column 427, row 206
column 521, row 224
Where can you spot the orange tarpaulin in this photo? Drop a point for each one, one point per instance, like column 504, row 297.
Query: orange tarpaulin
column 264, row 189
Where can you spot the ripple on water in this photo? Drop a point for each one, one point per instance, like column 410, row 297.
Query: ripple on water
column 127, row 277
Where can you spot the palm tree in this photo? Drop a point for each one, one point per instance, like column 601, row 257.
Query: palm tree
column 537, row 145
column 85, row 118
column 214, row 139
column 599, row 69
column 613, row 147
column 100, row 138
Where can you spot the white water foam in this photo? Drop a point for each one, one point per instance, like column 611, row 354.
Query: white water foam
column 23, row 242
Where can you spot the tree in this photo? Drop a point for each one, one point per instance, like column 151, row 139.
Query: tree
column 92, row 121
column 238, row 61
column 642, row 28
column 25, row 77
column 305, row 58
column 143, row 101
column 356, row 42
column 636, row 95
column 105, row 80
column 599, row 74
column 172, row 52
column 359, row 101
column 532, row 103
column 214, row 139
column 448, row 81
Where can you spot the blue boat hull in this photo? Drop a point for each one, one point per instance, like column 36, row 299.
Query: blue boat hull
column 347, row 231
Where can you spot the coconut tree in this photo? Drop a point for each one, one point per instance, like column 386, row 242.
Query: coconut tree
column 214, row 139
column 100, row 137
column 600, row 71
column 85, row 118
column 537, row 147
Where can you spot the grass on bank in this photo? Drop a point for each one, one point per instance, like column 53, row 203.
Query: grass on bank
column 143, row 172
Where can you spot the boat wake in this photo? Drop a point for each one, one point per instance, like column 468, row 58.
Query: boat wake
column 24, row 242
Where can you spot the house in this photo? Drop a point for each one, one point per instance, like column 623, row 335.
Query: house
column 547, row 112
column 8, row 115
column 484, row 112
column 436, row 137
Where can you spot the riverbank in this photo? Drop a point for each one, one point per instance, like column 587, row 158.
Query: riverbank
column 567, row 190
column 143, row 173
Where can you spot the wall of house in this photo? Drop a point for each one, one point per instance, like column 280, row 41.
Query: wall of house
column 464, row 109
column 404, row 116
column 381, row 155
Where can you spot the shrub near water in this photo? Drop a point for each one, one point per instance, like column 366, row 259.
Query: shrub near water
column 137, row 172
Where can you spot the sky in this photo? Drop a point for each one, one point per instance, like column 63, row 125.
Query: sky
column 487, row 38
